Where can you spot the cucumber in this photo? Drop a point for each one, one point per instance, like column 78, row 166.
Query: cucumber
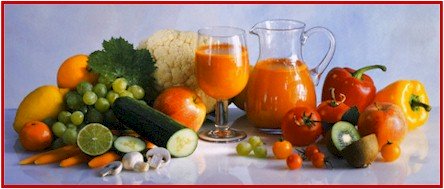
column 155, row 126
column 127, row 144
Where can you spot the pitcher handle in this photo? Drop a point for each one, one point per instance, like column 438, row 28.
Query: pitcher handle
column 317, row 71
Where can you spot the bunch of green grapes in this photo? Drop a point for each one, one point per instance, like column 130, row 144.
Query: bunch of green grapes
column 254, row 144
column 90, row 104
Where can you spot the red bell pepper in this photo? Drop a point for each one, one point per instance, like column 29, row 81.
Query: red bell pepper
column 357, row 86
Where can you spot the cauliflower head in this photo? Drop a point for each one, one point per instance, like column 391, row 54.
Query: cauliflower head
column 174, row 51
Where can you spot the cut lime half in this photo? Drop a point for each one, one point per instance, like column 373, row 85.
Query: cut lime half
column 94, row 139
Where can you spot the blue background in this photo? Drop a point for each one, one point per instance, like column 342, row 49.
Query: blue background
column 38, row 38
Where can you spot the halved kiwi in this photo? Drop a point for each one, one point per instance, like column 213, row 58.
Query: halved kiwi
column 363, row 152
column 343, row 134
column 330, row 146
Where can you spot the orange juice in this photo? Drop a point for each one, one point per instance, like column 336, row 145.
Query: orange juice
column 222, row 70
column 276, row 86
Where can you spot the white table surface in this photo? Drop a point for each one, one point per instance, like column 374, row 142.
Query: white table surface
column 218, row 164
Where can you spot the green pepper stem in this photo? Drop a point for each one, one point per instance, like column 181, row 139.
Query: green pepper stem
column 416, row 103
column 358, row 73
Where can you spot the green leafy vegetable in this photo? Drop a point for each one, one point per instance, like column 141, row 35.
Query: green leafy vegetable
column 119, row 59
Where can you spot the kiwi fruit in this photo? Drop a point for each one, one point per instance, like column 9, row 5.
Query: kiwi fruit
column 330, row 146
column 343, row 134
column 363, row 152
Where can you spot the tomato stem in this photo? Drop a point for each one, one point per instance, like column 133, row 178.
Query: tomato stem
column 334, row 102
column 302, row 153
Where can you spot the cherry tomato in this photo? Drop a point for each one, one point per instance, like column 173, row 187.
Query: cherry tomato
column 282, row 149
column 301, row 126
column 310, row 150
column 294, row 161
column 331, row 111
column 318, row 160
column 390, row 151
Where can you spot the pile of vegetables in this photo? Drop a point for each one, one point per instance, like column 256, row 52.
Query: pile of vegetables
column 127, row 84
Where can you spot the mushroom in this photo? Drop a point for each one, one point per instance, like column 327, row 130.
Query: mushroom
column 158, row 157
column 134, row 161
column 141, row 167
column 113, row 168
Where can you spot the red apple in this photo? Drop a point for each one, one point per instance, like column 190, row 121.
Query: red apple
column 183, row 105
column 384, row 119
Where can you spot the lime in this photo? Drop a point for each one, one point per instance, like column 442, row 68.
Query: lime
column 94, row 139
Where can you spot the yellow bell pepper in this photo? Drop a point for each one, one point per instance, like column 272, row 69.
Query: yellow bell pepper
column 411, row 97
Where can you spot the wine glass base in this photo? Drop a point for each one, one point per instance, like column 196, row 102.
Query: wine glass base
column 222, row 136
column 271, row 131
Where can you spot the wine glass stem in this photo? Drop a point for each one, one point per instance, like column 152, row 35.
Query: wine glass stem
column 222, row 115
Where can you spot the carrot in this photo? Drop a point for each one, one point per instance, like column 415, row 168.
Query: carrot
column 103, row 159
column 149, row 145
column 31, row 159
column 57, row 156
column 74, row 160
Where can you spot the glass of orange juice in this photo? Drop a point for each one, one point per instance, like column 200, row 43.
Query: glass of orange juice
column 222, row 70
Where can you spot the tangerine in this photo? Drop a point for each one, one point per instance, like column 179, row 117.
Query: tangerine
column 35, row 136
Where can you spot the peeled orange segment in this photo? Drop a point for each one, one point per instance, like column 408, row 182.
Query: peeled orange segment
column 95, row 139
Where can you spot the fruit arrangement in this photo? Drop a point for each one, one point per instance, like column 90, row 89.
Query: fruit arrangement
column 113, row 106
column 101, row 114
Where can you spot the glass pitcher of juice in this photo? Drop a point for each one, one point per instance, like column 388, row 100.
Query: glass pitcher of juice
column 281, row 80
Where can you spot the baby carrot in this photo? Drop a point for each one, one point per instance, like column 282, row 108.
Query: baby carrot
column 103, row 159
column 75, row 160
column 57, row 156
column 31, row 159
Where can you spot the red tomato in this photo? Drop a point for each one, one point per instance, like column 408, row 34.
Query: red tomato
column 331, row 111
column 332, row 114
column 294, row 161
column 301, row 126
column 310, row 150
column 318, row 160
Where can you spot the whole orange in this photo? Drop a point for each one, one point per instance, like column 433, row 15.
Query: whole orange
column 35, row 136
column 73, row 71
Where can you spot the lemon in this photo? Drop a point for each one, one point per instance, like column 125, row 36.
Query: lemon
column 94, row 139
column 44, row 102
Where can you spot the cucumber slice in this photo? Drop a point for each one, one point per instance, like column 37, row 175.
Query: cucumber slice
column 127, row 144
column 182, row 143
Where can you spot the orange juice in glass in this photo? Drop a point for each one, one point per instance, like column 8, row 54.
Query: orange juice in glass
column 222, row 70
